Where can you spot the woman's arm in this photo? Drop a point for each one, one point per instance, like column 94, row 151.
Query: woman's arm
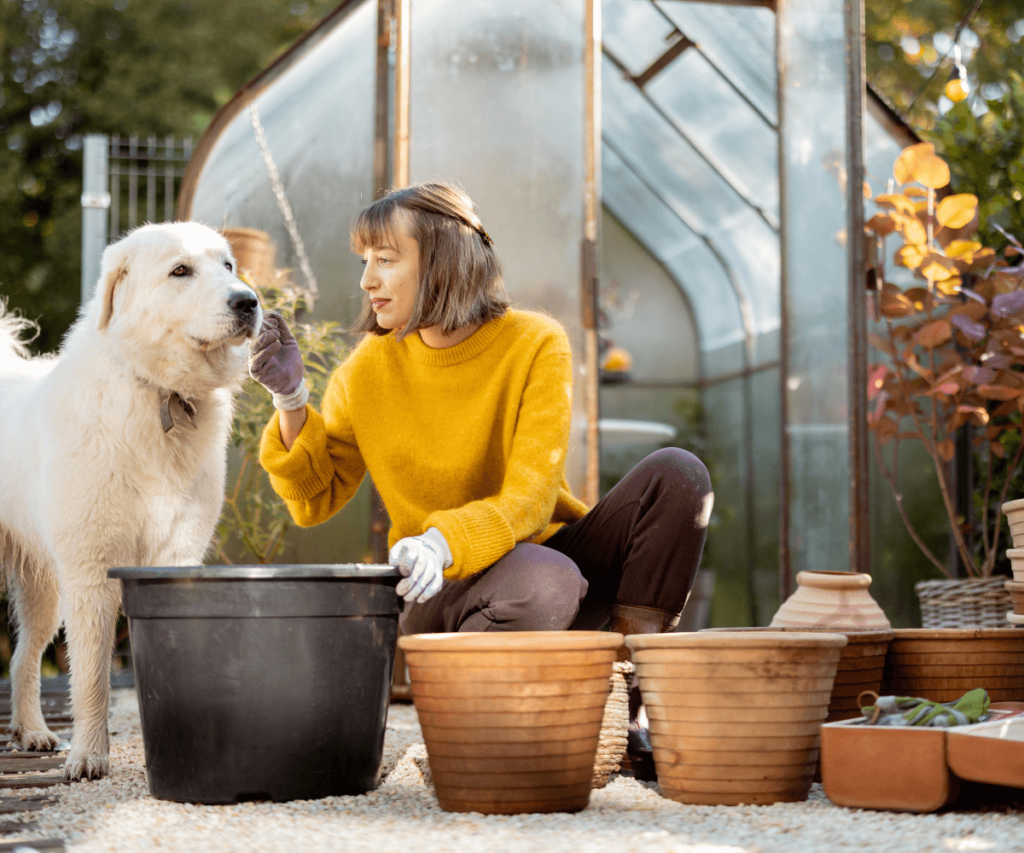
column 291, row 423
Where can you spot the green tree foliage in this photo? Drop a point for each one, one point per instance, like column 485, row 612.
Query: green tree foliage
column 71, row 67
column 907, row 41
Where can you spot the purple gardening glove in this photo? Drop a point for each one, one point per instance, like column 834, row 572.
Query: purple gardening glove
column 274, row 359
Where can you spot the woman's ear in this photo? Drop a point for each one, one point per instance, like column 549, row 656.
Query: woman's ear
column 110, row 283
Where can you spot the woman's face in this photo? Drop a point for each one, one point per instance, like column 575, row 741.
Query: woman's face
column 391, row 277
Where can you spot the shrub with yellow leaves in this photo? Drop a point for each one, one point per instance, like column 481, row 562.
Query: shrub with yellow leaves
column 955, row 346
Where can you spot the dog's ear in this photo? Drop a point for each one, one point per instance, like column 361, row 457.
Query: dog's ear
column 110, row 283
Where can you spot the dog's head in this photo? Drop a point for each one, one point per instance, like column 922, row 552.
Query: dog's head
column 170, row 297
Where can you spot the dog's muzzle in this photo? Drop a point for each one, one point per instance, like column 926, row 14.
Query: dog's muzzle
column 245, row 306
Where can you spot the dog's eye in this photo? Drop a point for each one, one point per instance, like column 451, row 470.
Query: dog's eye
column 229, row 266
column 181, row 270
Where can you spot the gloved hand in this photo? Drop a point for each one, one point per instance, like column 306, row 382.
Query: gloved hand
column 422, row 561
column 275, row 362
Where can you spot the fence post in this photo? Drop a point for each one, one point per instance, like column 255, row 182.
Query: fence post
column 95, row 202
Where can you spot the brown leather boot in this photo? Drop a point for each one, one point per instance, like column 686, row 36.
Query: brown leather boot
column 635, row 619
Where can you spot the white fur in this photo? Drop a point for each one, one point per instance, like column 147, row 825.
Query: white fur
column 88, row 478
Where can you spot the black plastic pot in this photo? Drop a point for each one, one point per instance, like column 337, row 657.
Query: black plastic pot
column 262, row 683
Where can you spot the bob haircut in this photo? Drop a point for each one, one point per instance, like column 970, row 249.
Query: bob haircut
column 460, row 277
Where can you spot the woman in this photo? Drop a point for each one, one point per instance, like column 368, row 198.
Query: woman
column 459, row 407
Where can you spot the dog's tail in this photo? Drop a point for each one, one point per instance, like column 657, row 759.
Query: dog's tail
column 13, row 339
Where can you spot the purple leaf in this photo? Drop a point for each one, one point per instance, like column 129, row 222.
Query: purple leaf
column 1007, row 304
column 966, row 291
column 974, row 331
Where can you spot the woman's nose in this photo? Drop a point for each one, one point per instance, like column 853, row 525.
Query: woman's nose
column 366, row 282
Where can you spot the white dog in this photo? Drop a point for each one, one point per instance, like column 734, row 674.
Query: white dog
column 114, row 454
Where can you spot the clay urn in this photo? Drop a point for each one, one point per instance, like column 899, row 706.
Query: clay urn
column 511, row 720
column 254, row 252
column 1016, row 556
column 942, row 664
column 831, row 600
column 735, row 717
column 1014, row 512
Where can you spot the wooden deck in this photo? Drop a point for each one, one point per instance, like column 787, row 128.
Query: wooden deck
column 21, row 769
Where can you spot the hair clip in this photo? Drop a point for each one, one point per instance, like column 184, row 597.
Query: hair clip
column 487, row 237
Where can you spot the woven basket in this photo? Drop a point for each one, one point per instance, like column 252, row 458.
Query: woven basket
column 964, row 603
column 611, row 744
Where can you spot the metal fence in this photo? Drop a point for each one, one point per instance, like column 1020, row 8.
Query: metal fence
column 127, row 180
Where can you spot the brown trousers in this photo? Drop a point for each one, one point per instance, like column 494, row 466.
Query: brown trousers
column 641, row 545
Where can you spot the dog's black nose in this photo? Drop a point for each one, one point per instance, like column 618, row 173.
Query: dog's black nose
column 243, row 302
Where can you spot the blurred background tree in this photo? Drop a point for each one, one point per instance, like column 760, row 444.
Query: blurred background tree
column 71, row 67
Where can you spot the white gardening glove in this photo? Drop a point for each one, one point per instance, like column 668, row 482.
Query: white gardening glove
column 422, row 561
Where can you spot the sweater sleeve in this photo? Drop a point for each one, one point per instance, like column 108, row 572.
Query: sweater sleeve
column 481, row 532
column 324, row 467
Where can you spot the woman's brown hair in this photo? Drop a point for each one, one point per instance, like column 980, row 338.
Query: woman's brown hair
column 461, row 280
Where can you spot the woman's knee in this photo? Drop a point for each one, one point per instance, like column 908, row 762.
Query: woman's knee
column 543, row 592
column 684, row 479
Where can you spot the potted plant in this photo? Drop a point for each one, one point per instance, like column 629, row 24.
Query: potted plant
column 954, row 358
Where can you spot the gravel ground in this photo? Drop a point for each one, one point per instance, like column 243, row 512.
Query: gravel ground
column 117, row 814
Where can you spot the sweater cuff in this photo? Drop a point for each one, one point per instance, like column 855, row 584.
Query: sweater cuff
column 478, row 536
column 304, row 471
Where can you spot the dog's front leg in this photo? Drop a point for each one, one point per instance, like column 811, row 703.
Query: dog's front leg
column 90, row 612
column 34, row 603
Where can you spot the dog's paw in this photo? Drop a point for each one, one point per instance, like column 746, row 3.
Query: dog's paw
column 80, row 766
column 40, row 740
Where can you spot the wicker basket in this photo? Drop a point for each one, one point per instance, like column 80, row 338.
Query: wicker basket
column 964, row 603
column 611, row 745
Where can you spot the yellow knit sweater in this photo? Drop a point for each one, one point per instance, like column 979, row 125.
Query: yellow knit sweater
column 470, row 439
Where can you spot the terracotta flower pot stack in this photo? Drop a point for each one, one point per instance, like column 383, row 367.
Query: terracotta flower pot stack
column 1014, row 512
column 942, row 664
column 861, row 665
column 511, row 720
column 735, row 717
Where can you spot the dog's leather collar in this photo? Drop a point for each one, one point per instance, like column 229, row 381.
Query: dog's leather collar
column 165, row 411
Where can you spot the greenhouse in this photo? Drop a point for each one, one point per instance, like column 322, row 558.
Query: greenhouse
column 670, row 179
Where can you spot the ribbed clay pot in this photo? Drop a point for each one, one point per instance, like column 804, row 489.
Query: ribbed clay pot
column 831, row 600
column 861, row 664
column 511, row 720
column 254, row 252
column 1016, row 556
column 942, row 664
column 1014, row 512
column 1016, row 590
column 735, row 717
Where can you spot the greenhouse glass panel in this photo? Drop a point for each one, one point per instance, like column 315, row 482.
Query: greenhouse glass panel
column 635, row 31
column 708, row 288
column 497, row 104
column 739, row 41
column 715, row 119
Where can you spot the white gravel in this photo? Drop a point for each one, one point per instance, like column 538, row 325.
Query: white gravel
column 117, row 814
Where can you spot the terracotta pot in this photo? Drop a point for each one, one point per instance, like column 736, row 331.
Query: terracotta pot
column 861, row 664
column 942, row 664
column 1014, row 512
column 1016, row 590
column 830, row 600
column 735, row 716
column 1016, row 556
column 254, row 252
column 511, row 720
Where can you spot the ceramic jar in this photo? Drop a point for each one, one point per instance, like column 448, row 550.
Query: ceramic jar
column 831, row 600
column 736, row 717
column 942, row 664
column 511, row 720
column 1016, row 590
column 1016, row 556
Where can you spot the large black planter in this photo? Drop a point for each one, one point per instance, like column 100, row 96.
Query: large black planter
column 262, row 683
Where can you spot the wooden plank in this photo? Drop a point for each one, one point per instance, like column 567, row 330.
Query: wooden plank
column 12, row 764
column 42, row 780
column 25, row 756
column 38, row 844
column 13, row 805
column 10, row 827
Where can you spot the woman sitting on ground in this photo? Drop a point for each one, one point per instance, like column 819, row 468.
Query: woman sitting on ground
column 459, row 408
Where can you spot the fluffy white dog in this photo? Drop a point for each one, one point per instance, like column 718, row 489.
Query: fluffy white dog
column 114, row 454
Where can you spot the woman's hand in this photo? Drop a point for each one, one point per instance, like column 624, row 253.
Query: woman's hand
column 275, row 362
column 422, row 561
